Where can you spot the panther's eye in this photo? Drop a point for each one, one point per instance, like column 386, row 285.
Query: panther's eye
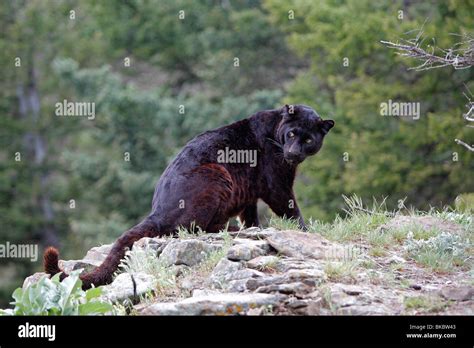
column 291, row 134
column 309, row 141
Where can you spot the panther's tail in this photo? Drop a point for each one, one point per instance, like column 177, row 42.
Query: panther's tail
column 103, row 274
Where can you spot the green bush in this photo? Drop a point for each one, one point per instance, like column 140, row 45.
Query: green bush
column 441, row 253
column 465, row 202
column 52, row 297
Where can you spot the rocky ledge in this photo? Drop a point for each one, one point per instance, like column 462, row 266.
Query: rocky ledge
column 270, row 272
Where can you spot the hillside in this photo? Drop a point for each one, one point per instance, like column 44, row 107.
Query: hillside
column 371, row 263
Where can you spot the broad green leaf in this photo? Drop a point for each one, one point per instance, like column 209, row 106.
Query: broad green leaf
column 17, row 294
column 95, row 307
column 93, row 293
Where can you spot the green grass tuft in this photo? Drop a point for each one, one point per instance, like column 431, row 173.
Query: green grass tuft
column 341, row 272
column 425, row 304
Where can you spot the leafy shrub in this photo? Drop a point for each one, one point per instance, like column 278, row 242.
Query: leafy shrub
column 464, row 219
column 146, row 260
column 465, row 202
column 441, row 252
column 53, row 297
column 443, row 243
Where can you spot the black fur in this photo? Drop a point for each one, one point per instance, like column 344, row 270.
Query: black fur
column 196, row 188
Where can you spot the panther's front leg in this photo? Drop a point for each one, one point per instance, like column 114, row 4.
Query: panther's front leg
column 284, row 204
column 249, row 216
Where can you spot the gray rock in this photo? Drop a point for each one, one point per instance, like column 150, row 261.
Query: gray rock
column 215, row 304
column 97, row 255
column 91, row 261
column 186, row 252
column 122, row 287
column 204, row 292
column 305, row 245
column 263, row 262
column 298, row 289
column 224, row 270
column 155, row 244
column 214, row 238
column 295, row 303
column 378, row 309
column 245, row 274
column 72, row 265
column 339, row 299
column 344, row 295
column 348, row 299
column 162, row 308
column 232, row 276
column 243, row 280
column 262, row 244
column 353, row 290
column 458, row 293
column 244, row 252
column 305, row 274
column 289, row 263
column 307, row 306
column 314, row 307
column 255, row 233
column 296, row 276
column 256, row 311
column 266, row 280
column 238, row 285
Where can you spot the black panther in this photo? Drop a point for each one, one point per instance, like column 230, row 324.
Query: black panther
column 198, row 189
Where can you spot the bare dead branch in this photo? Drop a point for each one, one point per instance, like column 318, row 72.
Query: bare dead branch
column 467, row 146
column 469, row 115
column 461, row 56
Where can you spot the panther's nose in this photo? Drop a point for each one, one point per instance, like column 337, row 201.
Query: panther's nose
column 294, row 156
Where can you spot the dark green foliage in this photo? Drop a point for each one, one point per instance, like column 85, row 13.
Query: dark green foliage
column 52, row 297
column 385, row 156
column 191, row 63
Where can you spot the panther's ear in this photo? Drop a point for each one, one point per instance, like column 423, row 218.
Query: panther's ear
column 327, row 125
column 288, row 111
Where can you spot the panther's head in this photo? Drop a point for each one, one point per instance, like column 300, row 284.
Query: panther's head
column 301, row 132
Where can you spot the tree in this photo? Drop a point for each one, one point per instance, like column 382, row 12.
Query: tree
column 33, row 32
column 350, row 77
column 459, row 56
